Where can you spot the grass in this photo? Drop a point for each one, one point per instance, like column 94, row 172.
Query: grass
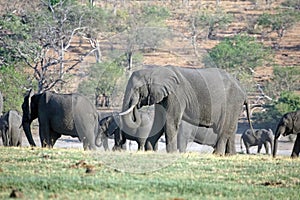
column 74, row 174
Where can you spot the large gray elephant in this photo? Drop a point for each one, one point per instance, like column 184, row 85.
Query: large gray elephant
column 208, row 98
column 60, row 114
column 10, row 128
column 257, row 138
column 289, row 124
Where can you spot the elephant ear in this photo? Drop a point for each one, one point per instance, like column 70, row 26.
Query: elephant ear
column 27, row 102
column 296, row 123
column 163, row 82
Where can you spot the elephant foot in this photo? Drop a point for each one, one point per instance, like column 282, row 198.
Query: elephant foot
column 117, row 148
column 294, row 155
column 217, row 153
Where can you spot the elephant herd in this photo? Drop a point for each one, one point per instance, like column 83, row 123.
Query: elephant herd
column 187, row 104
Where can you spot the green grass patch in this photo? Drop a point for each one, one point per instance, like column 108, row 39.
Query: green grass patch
column 74, row 174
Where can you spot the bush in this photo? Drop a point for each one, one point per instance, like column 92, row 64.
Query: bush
column 102, row 79
column 12, row 84
column 240, row 53
column 287, row 102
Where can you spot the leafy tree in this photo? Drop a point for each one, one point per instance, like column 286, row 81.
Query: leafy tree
column 103, row 78
column 143, row 29
column 287, row 102
column 207, row 23
column 284, row 79
column 240, row 53
column 278, row 22
column 46, row 36
column 12, row 84
column 210, row 21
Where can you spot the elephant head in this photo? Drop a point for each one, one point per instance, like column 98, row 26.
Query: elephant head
column 30, row 112
column 145, row 88
column 107, row 128
column 288, row 124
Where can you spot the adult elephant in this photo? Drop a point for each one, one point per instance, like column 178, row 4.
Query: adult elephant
column 208, row 98
column 257, row 137
column 289, row 124
column 60, row 114
column 10, row 128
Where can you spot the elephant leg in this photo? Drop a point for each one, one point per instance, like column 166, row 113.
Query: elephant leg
column 141, row 144
column 230, row 146
column 171, row 129
column 296, row 148
column 220, row 146
column 259, row 147
column 171, row 138
column 53, row 138
column 89, row 143
column 182, row 144
column 247, row 147
column 152, row 142
column 266, row 147
column 105, row 143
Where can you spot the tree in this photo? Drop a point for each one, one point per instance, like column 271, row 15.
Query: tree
column 240, row 53
column 44, row 39
column 103, row 78
column 284, row 79
column 287, row 102
column 140, row 29
column 204, row 25
column 12, row 83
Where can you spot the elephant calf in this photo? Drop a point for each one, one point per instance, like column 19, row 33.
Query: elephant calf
column 10, row 128
column 257, row 138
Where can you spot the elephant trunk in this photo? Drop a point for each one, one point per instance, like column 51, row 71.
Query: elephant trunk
column 99, row 140
column 27, row 130
column 130, row 120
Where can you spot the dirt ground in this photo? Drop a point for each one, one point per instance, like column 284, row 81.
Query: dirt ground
column 284, row 145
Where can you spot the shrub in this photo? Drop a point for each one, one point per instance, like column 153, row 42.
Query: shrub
column 240, row 53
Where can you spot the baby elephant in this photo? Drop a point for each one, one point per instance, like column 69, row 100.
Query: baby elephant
column 10, row 128
column 258, row 138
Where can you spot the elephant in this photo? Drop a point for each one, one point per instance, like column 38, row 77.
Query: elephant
column 187, row 133
column 109, row 126
column 257, row 137
column 289, row 124
column 10, row 128
column 190, row 133
column 60, row 114
column 204, row 97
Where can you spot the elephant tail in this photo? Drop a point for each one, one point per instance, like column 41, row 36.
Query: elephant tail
column 246, row 103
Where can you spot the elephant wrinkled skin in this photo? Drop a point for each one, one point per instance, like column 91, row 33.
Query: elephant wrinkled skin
column 208, row 98
column 60, row 114
column 289, row 124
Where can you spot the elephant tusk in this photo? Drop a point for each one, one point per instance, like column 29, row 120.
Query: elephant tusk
column 127, row 111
